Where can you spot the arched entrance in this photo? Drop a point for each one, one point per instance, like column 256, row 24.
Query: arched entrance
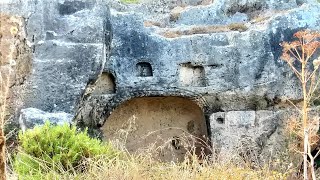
column 167, row 126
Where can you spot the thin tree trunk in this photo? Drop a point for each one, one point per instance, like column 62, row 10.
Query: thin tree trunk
column 313, row 174
column 304, row 120
column 3, row 95
column 2, row 155
column 305, row 156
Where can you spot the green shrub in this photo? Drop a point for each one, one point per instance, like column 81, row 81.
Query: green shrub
column 59, row 148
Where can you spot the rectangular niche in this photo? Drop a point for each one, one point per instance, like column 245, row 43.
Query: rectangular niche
column 191, row 75
column 144, row 69
column 105, row 84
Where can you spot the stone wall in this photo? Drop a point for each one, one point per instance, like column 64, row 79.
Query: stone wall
column 223, row 55
column 229, row 71
column 70, row 42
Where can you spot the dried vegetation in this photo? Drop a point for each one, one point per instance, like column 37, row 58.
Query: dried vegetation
column 204, row 30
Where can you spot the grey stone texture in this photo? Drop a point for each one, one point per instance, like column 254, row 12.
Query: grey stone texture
column 70, row 41
column 30, row 117
column 243, row 130
column 237, row 70
column 236, row 76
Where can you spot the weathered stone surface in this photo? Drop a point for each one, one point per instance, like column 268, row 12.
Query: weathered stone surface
column 61, row 75
column 243, row 131
column 240, row 118
column 237, row 70
column 15, row 64
column 92, row 108
column 31, row 117
column 233, row 72
column 267, row 138
column 70, row 42
column 203, row 12
column 237, row 74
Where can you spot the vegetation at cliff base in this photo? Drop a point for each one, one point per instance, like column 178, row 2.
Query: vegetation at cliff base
column 57, row 148
column 62, row 152
column 130, row 1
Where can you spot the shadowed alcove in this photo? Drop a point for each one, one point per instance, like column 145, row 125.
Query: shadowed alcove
column 144, row 69
column 166, row 125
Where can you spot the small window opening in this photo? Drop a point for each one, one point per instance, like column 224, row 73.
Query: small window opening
column 144, row 69
column 220, row 120
column 175, row 142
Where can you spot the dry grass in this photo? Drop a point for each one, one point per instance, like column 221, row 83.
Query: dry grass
column 152, row 23
column 171, row 34
column 204, row 30
column 143, row 168
column 130, row 1
column 144, row 165
column 295, row 132
column 237, row 27
column 259, row 19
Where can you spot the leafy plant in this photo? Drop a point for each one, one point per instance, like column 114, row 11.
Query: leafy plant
column 50, row 147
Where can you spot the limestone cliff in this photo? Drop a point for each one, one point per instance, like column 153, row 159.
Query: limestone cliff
column 153, row 58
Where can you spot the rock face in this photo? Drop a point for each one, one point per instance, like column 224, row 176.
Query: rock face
column 15, row 64
column 223, row 55
column 31, row 117
column 70, row 42
column 231, row 70
column 243, row 131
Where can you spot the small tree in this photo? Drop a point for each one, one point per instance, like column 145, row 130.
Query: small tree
column 299, row 54
column 4, row 89
column 6, row 69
